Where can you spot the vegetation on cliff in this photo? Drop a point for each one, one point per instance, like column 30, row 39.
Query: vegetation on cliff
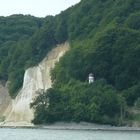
column 79, row 101
column 105, row 39
column 15, row 30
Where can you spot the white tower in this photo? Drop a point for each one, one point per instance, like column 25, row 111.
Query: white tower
column 91, row 78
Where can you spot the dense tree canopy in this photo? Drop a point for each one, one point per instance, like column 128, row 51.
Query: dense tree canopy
column 104, row 38
column 15, row 30
column 78, row 101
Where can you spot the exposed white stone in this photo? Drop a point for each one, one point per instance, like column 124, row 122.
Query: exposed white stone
column 4, row 98
column 35, row 78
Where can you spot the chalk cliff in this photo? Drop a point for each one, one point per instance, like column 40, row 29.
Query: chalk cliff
column 36, row 78
column 4, row 99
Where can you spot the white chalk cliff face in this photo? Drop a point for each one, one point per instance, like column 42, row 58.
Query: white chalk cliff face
column 4, row 98
column 35, row 79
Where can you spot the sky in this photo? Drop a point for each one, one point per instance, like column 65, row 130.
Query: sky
column 38, row 8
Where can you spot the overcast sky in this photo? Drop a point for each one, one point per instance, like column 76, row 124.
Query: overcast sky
column 39, row 8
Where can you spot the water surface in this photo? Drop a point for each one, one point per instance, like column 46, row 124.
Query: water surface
column 46, row 134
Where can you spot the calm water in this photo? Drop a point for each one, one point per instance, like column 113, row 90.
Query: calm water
column 44, row 134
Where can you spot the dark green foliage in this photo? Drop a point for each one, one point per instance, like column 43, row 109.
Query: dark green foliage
column 41, row 107
column 14, row 52
column 133, row 21
column 78, row 101
column 115, row 59
column 132, row 94
column 112, row 57
column 61, row 33
column 18, row 27
column 105, row 39
column 137, row 103
column 109, row 50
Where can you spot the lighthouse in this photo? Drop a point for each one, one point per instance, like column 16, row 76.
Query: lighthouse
column 91, row 78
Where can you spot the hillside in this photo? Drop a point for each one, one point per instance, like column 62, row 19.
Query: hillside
column 105, row 39
column 15, row 30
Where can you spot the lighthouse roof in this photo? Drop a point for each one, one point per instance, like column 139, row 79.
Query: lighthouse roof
column 91, row 74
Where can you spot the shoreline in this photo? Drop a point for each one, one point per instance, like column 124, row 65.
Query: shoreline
column 74, row 126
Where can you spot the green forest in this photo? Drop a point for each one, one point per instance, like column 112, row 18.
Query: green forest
column 104, row 36
column 15, row 31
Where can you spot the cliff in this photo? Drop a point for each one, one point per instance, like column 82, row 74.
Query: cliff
column 4, row 99
column 35, row 79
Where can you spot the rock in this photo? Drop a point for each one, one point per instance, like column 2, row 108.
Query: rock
column 35, row 79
